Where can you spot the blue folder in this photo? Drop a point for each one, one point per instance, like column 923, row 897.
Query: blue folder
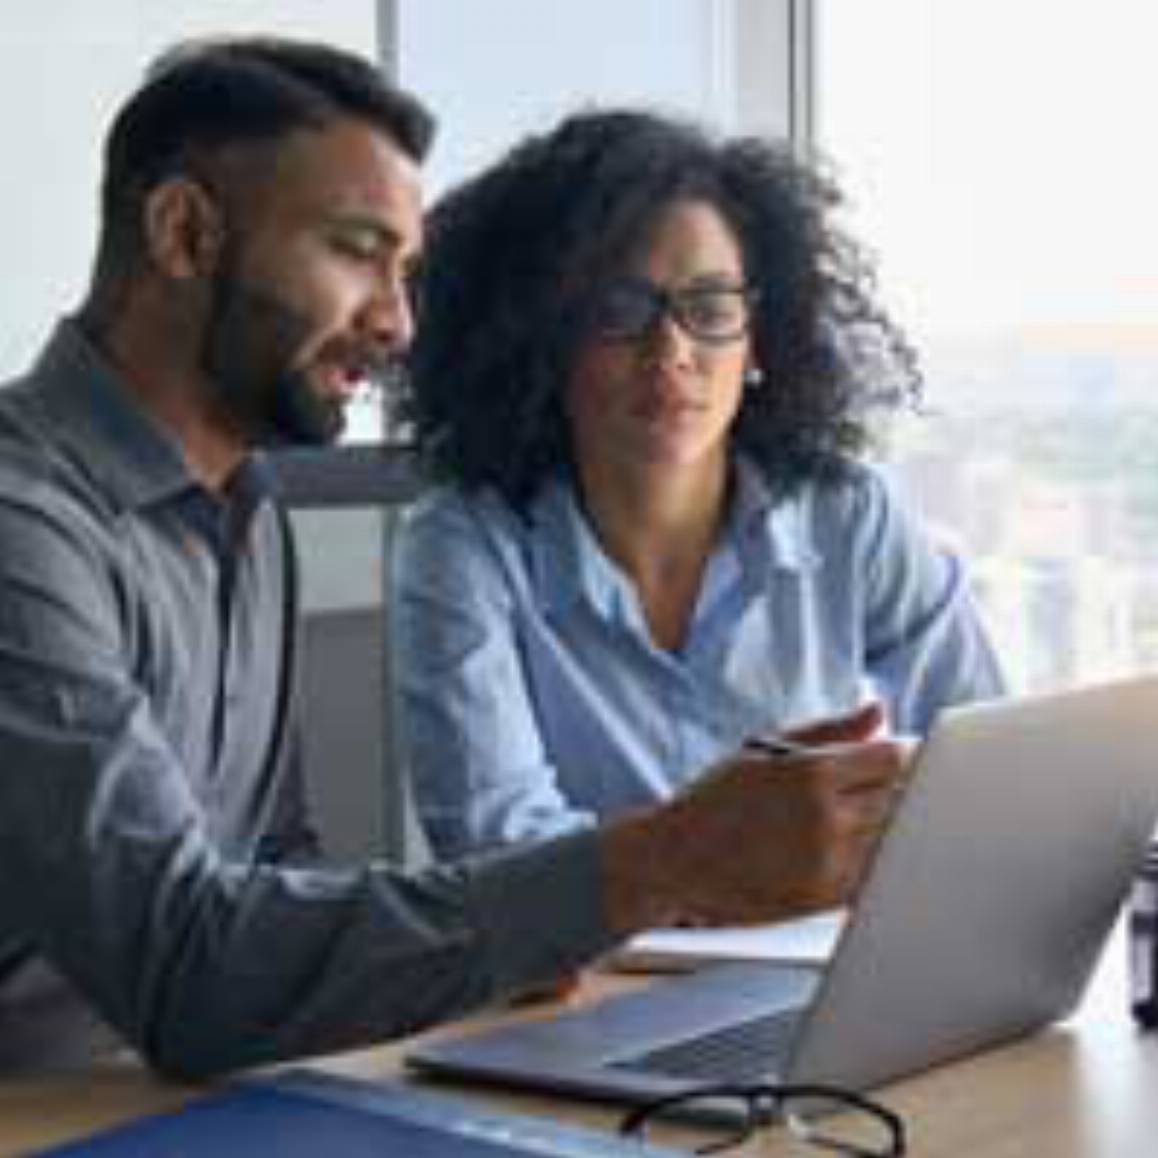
column 303, row 1115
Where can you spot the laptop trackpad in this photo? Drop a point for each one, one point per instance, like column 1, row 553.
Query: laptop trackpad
column 670, row 1010
column 726, row 1023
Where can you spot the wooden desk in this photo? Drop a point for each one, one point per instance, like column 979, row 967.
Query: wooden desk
column 1085, row 1089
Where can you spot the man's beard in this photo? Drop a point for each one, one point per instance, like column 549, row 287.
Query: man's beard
column 250, row 337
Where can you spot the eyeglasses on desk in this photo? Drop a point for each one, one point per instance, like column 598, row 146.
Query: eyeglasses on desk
column 823, row 1118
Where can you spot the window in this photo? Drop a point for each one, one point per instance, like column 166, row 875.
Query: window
column 499, row 70
column 998, row 159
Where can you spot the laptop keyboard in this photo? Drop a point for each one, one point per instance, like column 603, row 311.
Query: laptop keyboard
column 747, row 1051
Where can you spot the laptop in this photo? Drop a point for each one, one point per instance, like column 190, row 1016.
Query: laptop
column 983, row 914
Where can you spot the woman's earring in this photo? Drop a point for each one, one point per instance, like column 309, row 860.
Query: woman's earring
column 753, row 377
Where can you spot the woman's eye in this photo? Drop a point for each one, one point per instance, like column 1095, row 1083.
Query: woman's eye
column 709, row 307
column 621, row 309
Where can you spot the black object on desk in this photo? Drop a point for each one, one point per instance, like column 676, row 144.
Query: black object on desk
column 1143, row 940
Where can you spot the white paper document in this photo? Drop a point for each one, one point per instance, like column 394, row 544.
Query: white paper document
column 808, row 941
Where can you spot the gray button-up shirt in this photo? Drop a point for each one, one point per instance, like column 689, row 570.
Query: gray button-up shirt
column 153, row 833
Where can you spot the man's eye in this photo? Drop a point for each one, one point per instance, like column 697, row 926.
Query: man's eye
column 362, row 246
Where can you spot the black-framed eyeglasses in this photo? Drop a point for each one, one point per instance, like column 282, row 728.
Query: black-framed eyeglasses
column 710, row 312
column 823, row 1117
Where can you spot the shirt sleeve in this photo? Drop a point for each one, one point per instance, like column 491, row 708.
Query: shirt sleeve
column 109, row 870
column 468, row 726
column 925, row 645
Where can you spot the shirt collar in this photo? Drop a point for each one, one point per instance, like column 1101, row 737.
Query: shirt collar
column 569, row 565
column 92, row 416
column 769, row 532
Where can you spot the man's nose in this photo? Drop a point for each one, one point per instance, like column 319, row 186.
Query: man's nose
column 388, row 314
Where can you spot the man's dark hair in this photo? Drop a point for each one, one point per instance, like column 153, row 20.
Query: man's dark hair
column 512, row 254
column 204, row 95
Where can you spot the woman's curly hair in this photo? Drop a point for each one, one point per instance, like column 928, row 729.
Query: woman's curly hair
column 512, row 253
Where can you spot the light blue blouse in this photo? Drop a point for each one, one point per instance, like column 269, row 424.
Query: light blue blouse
column 531, row 699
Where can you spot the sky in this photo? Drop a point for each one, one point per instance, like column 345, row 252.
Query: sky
column 1001, row 156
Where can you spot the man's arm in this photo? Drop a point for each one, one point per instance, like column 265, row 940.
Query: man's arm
column 109, row 867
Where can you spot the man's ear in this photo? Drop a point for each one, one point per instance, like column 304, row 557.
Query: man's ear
column 183, row 228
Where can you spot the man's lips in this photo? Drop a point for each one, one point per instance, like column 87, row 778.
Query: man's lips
column 343, row 379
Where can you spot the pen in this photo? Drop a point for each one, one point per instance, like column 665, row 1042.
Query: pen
column 776, row 746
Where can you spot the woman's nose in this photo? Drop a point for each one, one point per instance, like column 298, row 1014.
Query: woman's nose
column 667, row 343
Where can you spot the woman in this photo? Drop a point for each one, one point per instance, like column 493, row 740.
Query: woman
column 645, row 365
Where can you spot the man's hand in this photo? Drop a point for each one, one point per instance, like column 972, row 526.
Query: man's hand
column 758, row 838
column 863, row 724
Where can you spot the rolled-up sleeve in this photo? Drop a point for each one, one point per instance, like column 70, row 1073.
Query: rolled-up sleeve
column 925, row 645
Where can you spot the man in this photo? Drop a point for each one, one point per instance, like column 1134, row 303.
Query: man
column 260, row 218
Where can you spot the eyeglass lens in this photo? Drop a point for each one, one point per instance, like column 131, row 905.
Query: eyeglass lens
column 709, row 312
